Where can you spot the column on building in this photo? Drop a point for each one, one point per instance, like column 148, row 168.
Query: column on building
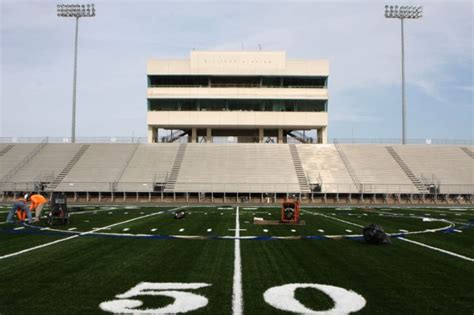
column 322, row 135
column 208, row 135
column 152, row 134
column 261, row 132
column 194, row 135
column 280, row 135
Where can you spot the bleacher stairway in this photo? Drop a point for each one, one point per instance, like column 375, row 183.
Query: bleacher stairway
column 468, row 151
column 23, row 161
column 415, row 180
column 349, row 167
column 300, row 174
column 57, row 180
column 171, row 182
column 6, row 149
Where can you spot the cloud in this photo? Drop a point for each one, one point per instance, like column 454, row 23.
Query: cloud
column 363, row 48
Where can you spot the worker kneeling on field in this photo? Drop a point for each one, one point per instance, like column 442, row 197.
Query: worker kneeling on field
column 37, row 204
column 20, row 205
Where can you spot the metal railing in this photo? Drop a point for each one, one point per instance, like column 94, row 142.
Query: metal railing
column 399, row 141
column 228, row 187
column 19, row 140
column 13, row 140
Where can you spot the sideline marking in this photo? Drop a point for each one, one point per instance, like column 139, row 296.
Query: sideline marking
column 437, row 249
column 237, row 303
column 78, row 235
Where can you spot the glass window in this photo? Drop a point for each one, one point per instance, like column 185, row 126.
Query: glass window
column 271, row 81
column 213, row 105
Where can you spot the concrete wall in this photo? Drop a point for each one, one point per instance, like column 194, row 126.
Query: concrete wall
column 236, row 119
column 239, row 63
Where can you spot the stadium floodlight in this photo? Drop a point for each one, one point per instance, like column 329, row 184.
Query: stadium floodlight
column 77, row 11
column 403, row 12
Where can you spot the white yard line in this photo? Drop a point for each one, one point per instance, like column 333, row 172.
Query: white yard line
column 38, row 247
column 437, row 249
column 75, row 236
column 237, row 302
column 333, row 218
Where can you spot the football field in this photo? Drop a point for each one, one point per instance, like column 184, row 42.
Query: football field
column 216, row 260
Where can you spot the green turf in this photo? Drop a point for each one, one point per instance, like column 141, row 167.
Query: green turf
column 75, row 276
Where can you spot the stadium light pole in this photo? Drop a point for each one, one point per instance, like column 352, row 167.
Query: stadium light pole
column 77, row 11
column 403, row 12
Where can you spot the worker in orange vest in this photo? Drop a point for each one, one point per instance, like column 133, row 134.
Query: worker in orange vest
column 20, row 203
column 37, row 204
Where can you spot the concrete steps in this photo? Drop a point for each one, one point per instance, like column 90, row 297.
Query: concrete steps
column 348, row 166
column 415, row 180
column 171, row 182
column 468, row 151
column 6, row 149
column 58, row 179
column 300, row 174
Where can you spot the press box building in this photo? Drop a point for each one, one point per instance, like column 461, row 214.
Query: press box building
column 251, row 96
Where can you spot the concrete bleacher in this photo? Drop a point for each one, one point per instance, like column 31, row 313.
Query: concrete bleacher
column 150, row 164
column 324, row 166
column 376, row 170
column 11, row 158
column 233, row 168
column 45, row 165
column 98, row 169
column 449, row 164
column 237, row 168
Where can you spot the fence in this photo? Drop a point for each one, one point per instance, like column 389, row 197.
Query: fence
column 78, row 140
column 208, row 187
column 399, row 141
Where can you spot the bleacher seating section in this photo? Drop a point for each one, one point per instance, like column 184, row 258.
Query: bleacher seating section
column 450, row 165
column 376, row 170
column 237, row 168
column 242, row 168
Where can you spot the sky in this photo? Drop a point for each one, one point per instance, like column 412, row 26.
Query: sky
column 362, row 46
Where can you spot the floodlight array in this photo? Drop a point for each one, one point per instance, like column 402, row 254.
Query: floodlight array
column 403, row 12
column 76, row 10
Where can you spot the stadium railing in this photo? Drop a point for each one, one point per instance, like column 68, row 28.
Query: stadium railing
column 208, row 187
column 399, row 141
column 78, row 140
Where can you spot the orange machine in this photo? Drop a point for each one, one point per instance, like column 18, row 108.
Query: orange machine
column 290, row 211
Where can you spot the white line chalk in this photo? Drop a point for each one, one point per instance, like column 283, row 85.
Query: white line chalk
column 437, row 249
column 237, row 301
column 78, row 235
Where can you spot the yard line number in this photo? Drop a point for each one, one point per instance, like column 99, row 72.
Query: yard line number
column 281, row 297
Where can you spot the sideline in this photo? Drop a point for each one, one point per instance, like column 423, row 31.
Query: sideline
column 237, row 302
column 81, row 234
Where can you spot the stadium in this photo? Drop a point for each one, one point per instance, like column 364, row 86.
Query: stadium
column 236, row 202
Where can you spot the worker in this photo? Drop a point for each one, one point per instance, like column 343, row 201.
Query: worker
column 37, row 204
column 20, row 203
